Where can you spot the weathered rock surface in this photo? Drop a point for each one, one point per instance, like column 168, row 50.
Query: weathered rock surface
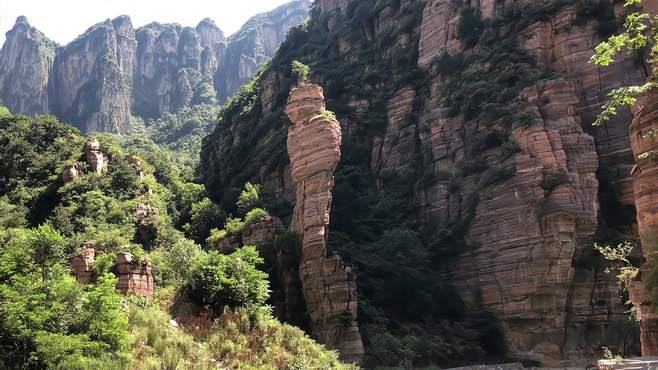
column 531, row 267
column 645, row 182
column 530, row 260
column 314, row 142
column 81, row 263
column 26, row 59
column 135, row 277
column 97, row 160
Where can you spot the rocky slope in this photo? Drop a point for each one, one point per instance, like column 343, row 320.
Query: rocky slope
column 113, row 70
column 468, row 130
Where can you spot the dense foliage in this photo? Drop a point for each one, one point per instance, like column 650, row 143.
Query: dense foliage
column 142, row 205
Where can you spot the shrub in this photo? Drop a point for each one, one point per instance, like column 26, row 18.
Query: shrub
column 470, row 26
column 254, row 215
column 553, row 179
column 301, row 71
column 249, row 198
column 204, row 216
column 229, row 280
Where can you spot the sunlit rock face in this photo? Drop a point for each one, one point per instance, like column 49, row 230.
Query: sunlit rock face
column 26, row 60
column 91, row 80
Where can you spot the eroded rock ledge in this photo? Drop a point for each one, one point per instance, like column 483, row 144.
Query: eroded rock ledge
column 314, row 142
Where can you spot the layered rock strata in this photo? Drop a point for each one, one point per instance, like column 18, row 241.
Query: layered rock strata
column 135, row 277
column 314, row 141
column 645, row 182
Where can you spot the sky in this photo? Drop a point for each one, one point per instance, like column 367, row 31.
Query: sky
column 64, row 20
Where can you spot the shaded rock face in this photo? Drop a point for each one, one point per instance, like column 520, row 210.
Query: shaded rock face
column 255, row 43
column 26, row 59
column 281, row 263
column 533, row 267
column 91, row 80
column 314, row 142
column 645, row 182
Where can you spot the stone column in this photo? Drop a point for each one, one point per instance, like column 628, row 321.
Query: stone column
column 314, row 141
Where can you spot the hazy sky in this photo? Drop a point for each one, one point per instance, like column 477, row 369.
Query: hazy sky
column 63, row 20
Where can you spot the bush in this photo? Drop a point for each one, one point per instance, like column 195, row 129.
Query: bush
column 554, row 179
column 204, row 216
column 301, row 71
column 470, row 26
column 254, row 215
column 229, row 280
column 249, row 198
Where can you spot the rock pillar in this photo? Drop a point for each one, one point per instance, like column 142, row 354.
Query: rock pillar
column 314, row 142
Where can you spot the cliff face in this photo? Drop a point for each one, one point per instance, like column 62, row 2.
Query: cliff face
column 26, row 59
column 467, row 132
column 255, row 43
column 175, row 66
column 646, row 198
column 91, row 81
column 113, row 70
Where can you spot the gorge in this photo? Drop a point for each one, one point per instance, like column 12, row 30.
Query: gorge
column 412, row 184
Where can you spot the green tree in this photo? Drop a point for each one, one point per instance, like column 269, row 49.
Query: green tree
column 640, row 32
column 48, row 247
column 229, row 280
column 204, row 216
column 301, row 71
column 249, row 198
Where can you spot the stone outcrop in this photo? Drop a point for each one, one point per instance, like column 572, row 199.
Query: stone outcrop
column 175, row 65
column 134, row 277
column 97, row 160
column 26, row 59
column 255, row 43
column 529, row 219
column 82, row 262
column 314, row 141
column 645, row 182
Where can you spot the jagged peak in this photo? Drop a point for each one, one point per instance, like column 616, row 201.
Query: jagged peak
column 270, row 17
column 208, row 22
column 21, row 19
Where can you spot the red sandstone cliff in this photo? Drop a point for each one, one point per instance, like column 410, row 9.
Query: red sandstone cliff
column 533, row 264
